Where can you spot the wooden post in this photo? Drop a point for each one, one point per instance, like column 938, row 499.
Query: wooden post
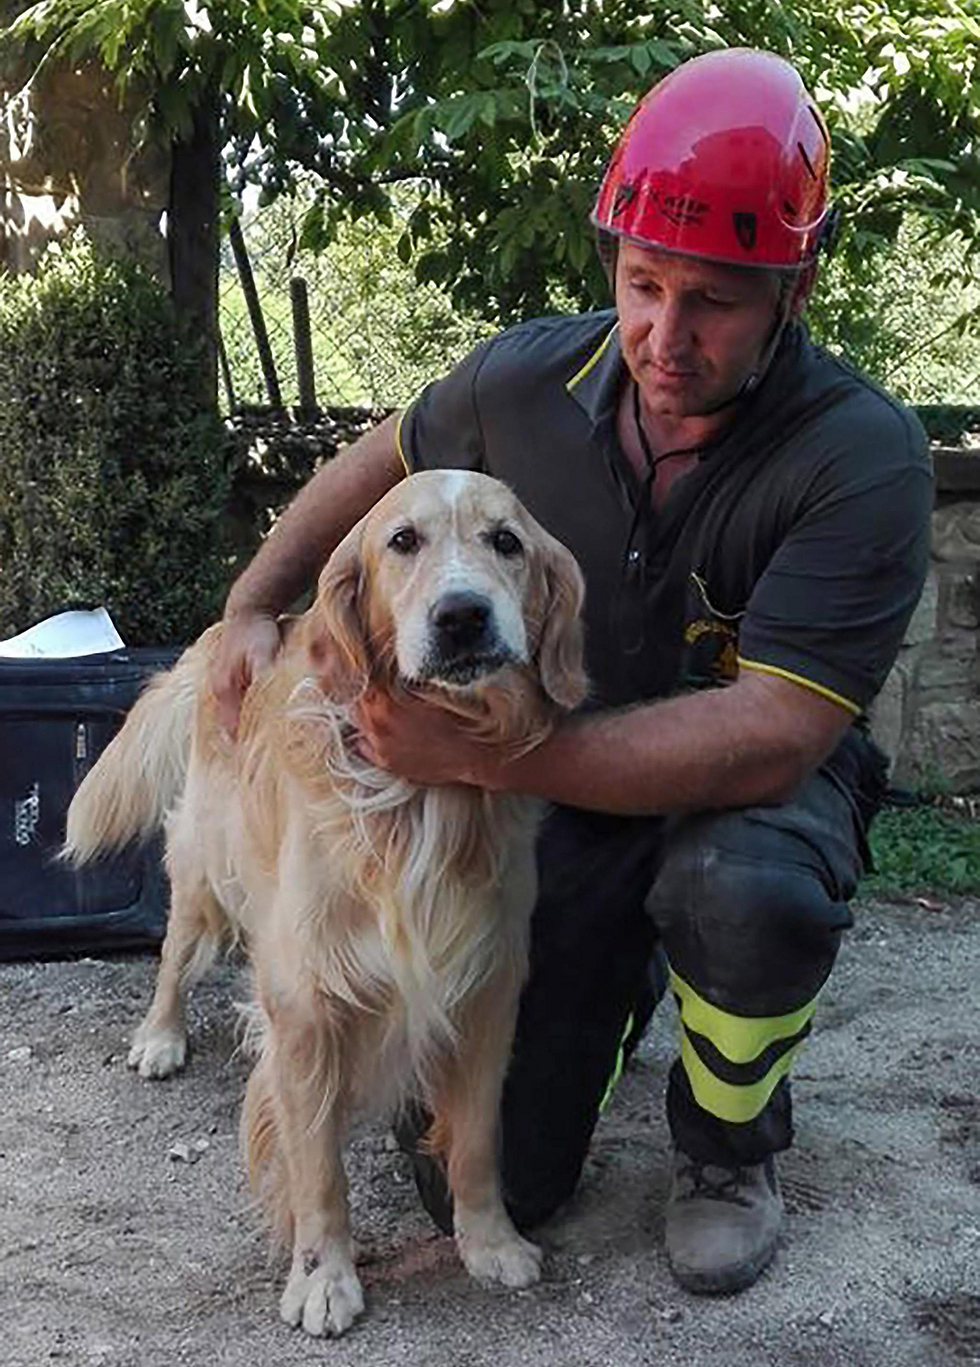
column 237, row 240
column 226, row 373
column 303, row 344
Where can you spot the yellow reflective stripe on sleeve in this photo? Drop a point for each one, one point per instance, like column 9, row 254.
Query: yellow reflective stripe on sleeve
column 398, row 441
column 799, row 679
column 581, row 374
column 739, row 1038
column 736, row 1104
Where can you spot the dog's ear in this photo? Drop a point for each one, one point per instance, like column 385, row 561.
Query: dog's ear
column 336, row 638
column 560, row 653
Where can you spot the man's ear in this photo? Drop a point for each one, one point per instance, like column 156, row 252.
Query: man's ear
column 561, row 651
column 336, row 631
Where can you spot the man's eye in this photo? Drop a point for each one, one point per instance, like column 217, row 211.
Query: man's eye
column 504, row 542
column 405, row 541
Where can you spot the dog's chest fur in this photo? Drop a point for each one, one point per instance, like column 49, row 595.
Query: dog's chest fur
column 411, row 899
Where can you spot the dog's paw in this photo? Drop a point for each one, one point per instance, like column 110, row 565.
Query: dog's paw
column 157, row 1052
column 325, row 1300
column 501, row 1257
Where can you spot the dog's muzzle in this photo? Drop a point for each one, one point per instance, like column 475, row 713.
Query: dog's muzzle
column 464, row 643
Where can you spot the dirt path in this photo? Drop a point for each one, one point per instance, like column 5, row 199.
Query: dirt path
column 114, row 1251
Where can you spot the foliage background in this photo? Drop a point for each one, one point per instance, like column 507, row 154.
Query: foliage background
column 501, row 114
column 112, row 478
column 429, row 166
column 378, row 336
column 923, row 850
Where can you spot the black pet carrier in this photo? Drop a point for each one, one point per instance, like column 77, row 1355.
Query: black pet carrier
column 56, row 716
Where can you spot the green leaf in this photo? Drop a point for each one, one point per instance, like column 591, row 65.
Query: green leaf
column 432, row 268
column 640, row 59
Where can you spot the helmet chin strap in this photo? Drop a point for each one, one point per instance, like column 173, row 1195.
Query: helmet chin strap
column 784, row 311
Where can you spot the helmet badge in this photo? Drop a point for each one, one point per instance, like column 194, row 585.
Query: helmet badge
column 745, row 230
column 625, row 194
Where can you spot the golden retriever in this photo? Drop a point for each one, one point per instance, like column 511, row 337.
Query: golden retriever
column 387, row 924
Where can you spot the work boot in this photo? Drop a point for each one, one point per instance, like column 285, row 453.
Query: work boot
column 722, row 1224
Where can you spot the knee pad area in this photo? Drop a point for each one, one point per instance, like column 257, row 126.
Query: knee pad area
column 750, row 914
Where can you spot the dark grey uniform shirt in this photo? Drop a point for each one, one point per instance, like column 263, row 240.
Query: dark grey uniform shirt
column 798, row 545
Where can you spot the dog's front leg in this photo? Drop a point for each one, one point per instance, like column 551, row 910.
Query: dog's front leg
column 468, row 1106
column 322, row 1291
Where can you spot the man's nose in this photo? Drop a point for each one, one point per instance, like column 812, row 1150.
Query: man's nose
column 670, row 329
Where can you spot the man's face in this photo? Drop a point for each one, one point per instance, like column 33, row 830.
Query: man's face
column 691, row 331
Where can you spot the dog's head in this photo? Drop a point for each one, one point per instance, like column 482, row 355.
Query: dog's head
column 446, row 583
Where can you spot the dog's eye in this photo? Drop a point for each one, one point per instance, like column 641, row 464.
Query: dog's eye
column 405, row 541
column 504, row 542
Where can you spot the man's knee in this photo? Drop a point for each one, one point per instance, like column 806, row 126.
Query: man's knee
column 751, row 906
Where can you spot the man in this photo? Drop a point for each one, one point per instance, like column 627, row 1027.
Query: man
column 752, row 520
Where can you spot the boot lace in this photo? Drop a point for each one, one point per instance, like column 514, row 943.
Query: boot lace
column 716, row 1184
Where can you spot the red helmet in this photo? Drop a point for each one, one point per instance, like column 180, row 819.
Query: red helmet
column 726, row 158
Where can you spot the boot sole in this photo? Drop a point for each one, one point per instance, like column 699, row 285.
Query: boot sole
column 723, row 1283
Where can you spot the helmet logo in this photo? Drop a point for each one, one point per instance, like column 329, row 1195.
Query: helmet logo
column 625, row 194
column 745, row 230
column 684, row 211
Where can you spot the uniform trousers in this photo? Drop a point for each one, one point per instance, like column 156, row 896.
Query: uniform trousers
column 738, row 913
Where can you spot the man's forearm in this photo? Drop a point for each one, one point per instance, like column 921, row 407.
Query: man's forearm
column 337, row 496
column 731, row 747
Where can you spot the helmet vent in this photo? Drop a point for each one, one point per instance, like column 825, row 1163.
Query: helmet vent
column 821, row 126
column 806, row 161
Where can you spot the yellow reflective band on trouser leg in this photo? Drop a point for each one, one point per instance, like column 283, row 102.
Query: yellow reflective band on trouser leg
column 741, row 1042
column 620, row 1063
column 724, row 1099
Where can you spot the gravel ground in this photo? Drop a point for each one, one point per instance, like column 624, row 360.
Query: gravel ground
column 127, row 1237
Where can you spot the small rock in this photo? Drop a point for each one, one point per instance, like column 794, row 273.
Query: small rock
column 22, row 1054
column 201, row 1145
column 827, row 1319
column 179, row 1153
column 391, row 1143
column 584, row 1259
column 671, row 1314
column 588, row 1297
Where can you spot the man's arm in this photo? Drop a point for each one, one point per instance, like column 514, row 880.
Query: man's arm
column 337, row 496
column 752, row 742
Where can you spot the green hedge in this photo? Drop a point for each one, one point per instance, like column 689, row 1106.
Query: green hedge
column 947, row 423
column 112, row 469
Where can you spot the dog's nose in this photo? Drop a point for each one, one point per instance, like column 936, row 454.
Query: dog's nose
column 461, row 620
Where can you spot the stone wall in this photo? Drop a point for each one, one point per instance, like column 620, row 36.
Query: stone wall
column 927, row 717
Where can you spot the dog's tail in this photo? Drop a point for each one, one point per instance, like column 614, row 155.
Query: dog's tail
column 140, row 774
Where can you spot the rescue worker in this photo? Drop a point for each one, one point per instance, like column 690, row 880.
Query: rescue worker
column 752, row 519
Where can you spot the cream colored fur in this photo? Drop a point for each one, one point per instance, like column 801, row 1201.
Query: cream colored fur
column 387, row 924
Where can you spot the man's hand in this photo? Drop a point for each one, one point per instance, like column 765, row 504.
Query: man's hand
column 423, row 743
column 249, row 643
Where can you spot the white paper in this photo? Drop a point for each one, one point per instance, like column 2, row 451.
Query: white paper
column 63, row 636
